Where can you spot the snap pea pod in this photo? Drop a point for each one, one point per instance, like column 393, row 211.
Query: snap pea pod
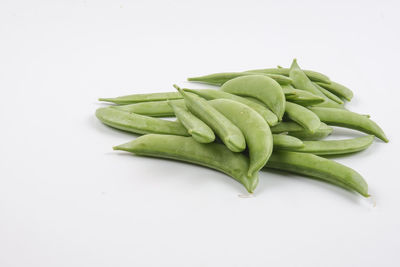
column 319, row 168
column 335, row 147
column 152, row 108
column 254, row 128
column 348, row 119
column 136, row 98
column 329, row 95
column 283, row 141
column 229, row 133
column 221, row 78
column 212, row 155
column 296, row 130
column 300, row 97
column 195, row 127
column 303, row 116
column 139, row 124
column 338, row 89
column 261, row 87
column 211, row 94
column 312, row 75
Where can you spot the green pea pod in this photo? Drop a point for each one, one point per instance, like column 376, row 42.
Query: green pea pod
column 196, row 128
column 255, row 130
column 329, row 95
column 338, row 89
column 138, row 124
column 261, row 87
column 152, row 108
column 312, row 75
column 296, row 130
column 301, row 97
column 229, row 133
column 221, row 78
column 303, row 116
column 348, row 119
column 136, row 98
column 283, row 141
column 319, row 168
column 212, row 155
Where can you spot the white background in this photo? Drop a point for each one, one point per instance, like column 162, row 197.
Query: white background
column 66, row 199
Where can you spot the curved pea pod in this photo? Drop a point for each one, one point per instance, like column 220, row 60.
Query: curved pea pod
column 138, row 124
column 301, row 97
column 196, row 128
column 338, row 89
column 212, row 155
column 303, row 116
column 329, row 95
column 312, row 75
column 136, row 98
column 336, row 147
column 152, row 108
column 348, row 119
column 296, row 130
column 320, row 168
column 283, row 141
column 221, row 78
column 260, row 87
column 211, row 94
column 254, row 128
column 229, row 133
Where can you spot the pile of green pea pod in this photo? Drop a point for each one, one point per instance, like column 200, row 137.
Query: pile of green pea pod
column 259, row 119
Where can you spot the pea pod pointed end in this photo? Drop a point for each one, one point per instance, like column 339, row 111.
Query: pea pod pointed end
column 251, row 182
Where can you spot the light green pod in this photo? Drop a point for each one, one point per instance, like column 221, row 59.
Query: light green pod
column 229, row 133
column 283, row 141
column 152, row 108
column 212, row 155
column 338, row 89
column 296, row 130
column 138, row 124
column 348, row 119
column 301, row 97
column 329, row 95
column 221, row 78
column 211, row 94
column 255, row 130
column 261, row 87
column 301, row 81
column 320, row 168
column 136, row 98
column 312, row 75
column 303, row 116
column 336, row 147
column 196, row 128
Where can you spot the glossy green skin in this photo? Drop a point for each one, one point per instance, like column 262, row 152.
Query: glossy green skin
column 221, row 78
column 212, row 155
column 348, row 119
column 254, row 128
column 336, row 147
column 296, row 130
column 138, row 124
column 319, row 168
column 152, row 108
column 136, row 98
column 196, row 127
column 211, row 94
column 283, row 141
column 303, row 116
column 229, row 133
column 260, row 87
column 312, row 75
column 329, row 95
column 338, row 89
column 301, row 97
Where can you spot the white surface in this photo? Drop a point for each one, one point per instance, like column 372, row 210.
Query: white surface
column 66, row 199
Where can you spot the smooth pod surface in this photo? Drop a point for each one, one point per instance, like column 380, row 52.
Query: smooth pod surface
column 136, row 98
column 312, row 75
column 261, row 87
column 212, row 155
column 283, row 141
column 329, row 95
column 296, row 130
column 338, row 89
column 152, row 108
column 303, row 116
column 221, row 78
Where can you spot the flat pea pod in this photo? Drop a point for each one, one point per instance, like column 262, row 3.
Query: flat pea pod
column 283, row 141
column 301, row 81
column 136, row 98
column 195, row 127
column 296, row 130
column 212, row 155
column 336, row 147
column 329, row 95
column 152, row 108
column 221, row 78
column 337, row 89
column 303, row 116
column 254, row 128
column 229, row 133
column 320, row 168
column 301, row 97
column 348, row 119
column 138, row 124
column 211, row 94
column 261, row 87
column 312, row 75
